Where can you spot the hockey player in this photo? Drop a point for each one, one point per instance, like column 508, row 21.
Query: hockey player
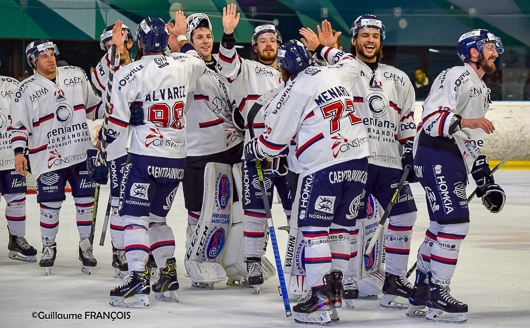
column 49, row 121
column 12, row 185
column 248, row 80
column 116, row 152
column 447, row 148
column 211, row 136
column 384, row 99
column 332, row 149
column 157, row 151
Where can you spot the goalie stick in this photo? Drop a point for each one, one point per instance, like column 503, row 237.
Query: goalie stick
column 272, row 233
column 387, row 211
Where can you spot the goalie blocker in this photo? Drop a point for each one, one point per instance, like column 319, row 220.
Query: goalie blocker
column 214, row 247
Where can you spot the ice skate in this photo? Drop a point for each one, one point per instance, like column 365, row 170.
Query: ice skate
column 119, row 263
column 202, row 285
column 419, row 296
column 350, row 293
column 48, row 258
column 315, row 301
column 255, row 273
column 333, row 281
column 20, row 250
column 395, row 286
column 137, row 285
column 151, row 264
column 443, row 307
column 166, row 287
column 86, row 256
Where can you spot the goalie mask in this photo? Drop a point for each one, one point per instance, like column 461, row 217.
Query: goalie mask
column 476, row 39
column 38, row 47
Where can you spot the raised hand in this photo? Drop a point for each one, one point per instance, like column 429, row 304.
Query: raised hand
column 230, row 18
column 326, row 36
column 309, row 38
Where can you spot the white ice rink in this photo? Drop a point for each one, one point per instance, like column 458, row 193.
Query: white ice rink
column 492, row 276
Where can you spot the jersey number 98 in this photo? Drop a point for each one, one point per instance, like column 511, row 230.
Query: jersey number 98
column 164, row 117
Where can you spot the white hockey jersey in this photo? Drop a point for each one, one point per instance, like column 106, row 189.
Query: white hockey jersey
column 100, row 79
column 8, row 86
column 52, row 118
column 209, row 128
column 317, row 109
column 162, row 84
column 248, row 80
column 458, row 90
column 384, row 99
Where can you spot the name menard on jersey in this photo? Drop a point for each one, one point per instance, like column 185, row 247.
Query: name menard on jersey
column 330, row 94
column 167, row 94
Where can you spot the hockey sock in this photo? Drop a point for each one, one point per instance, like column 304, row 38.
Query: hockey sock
column 353, row 271
column 340, row 247
column 49, row 221
column 444, row 253
column 16, row 214
column 424, row 253
column 136, row 239
column 161, row 239
column 193, row 217
column 254, row 223
column 116, row 224
column 84, row 207
column 397, row 243
column 317, row 254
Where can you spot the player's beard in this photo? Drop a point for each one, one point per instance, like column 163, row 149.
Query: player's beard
column 360, row 50
column 487, row 65
column 267, row 57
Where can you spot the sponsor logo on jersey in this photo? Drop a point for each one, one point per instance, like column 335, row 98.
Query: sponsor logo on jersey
column 461, row 79
column 64, row 114
column 156, row 139
column 3, row 123
column 370, row 210
column 373, row 258
column 325, row 204
column 165, row 172
column 6, row 93
column 216, row 243
column 378, row 104
column 56, row 159
column 264, row 71
column 161, row 61
column 130, row 76
column 169, row 199
column 73, row 81
column 231, row 136
column 356, row 204
column 222, row 191
column 35, row 96
column 86, row 184
column 418, row 170
column 305, row 194
column 460, row 190
column 342, row 145
column 444, row 193
column 139, row 190
column 348, row 175
column 17, row 183
column 394, row 77
column 431, row 198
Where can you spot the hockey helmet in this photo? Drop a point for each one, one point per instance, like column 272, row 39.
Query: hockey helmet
column 367, row 21
column 195, row 21
column 106, row 36
column 293, row 57
column 476, row 39
column 152, row 34
column 38, row 46
column 265, row 28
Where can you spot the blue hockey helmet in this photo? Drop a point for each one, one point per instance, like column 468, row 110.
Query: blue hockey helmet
column 152, row 34
column 293, row 57
column 265, row 28
column 476, row 39
column 106, row 36
column 38, row 46
column 367, row 21
column 195, row 21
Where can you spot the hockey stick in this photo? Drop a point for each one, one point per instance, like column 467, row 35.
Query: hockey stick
column 105, row 222
column 498, row 166
column 250, row 121
column 387, row 211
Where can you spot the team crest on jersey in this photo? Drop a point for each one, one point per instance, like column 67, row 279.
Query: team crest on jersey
column 222, row 191
column 377, row 104
column 161, row 61
column 64, row 114
column 3, row 122
column 356, row 204
column 48, row 179
column 169, row 200
column 216, row 243
column 139, row 190
column 59, row 95
column 325, row 204
column 370, row 207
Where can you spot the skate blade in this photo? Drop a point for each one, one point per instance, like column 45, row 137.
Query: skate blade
column 323, row 318
column 350, row 304
column 142, row 301
column 86, row 269
column 368, row 296
column 257, row 288
column 48, row 271
column 417, row 311
column 202, row 285
column 14, row 255
column 438, row 315
column 171, row 297
column 389, row 301
column 334, row 316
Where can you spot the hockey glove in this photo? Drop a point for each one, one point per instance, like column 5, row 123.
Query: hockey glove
column 408, row 159
column 493, row 197
column 481, row 172
column 137, row 114
column 276, row 167
column 97, row 168
column 251, row 151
